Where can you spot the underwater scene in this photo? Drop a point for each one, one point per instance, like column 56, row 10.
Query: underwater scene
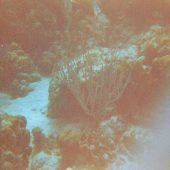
column 84, row 84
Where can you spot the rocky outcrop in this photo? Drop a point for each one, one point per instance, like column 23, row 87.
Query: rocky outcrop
column 15, row 140
column 38, row 22
column 155, row 46
column 77, row 92
column 132, row 10
column 16, row 71
column 84, row 147
column 84, row 93
column 155, row 42
column 149, row 74
column 88, row 86
column 49, row 57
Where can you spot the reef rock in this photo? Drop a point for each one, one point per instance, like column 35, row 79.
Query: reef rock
column 45, row 153
column 50, row 57
column 148, row 74
column 155, row 43
column 16, row 70
column 83, row 147
column 133, row 11
column 15, row 140
column 88, row 85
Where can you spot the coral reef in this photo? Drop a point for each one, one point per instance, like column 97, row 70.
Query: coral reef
column 161, row 65
column 31, row 24
column 93, row 148
column 45, row 153
column 133, row 11
column 148, row 74
column 49, row 57
column 155, row 42
column 38, row 140
column 15, row 140
column 16, row 71
column 73, row 80
column 84, row 84
column 97, row 137
column 41, row 29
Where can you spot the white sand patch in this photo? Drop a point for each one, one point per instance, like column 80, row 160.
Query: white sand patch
column 33, row 106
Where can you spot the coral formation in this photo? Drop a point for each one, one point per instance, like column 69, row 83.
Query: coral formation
column 31, row 24
column 49, row 57
column 38, row 140
column 16, row 71
column 86, row 82
column 133, row 11
column 148, row 73
column 15, row 143
column 96, row 147
column 155, row 42
column 45, row 152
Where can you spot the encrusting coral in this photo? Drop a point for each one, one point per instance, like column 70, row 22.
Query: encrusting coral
column 148, row 74
column 83, row 146
column 17, row 70
column 15, row 143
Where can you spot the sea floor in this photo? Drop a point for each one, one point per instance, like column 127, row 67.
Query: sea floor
column 33, row 106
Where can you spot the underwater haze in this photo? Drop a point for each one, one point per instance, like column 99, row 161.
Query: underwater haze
column 84, row 85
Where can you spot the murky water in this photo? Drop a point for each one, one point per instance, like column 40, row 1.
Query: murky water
column 84, row 85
